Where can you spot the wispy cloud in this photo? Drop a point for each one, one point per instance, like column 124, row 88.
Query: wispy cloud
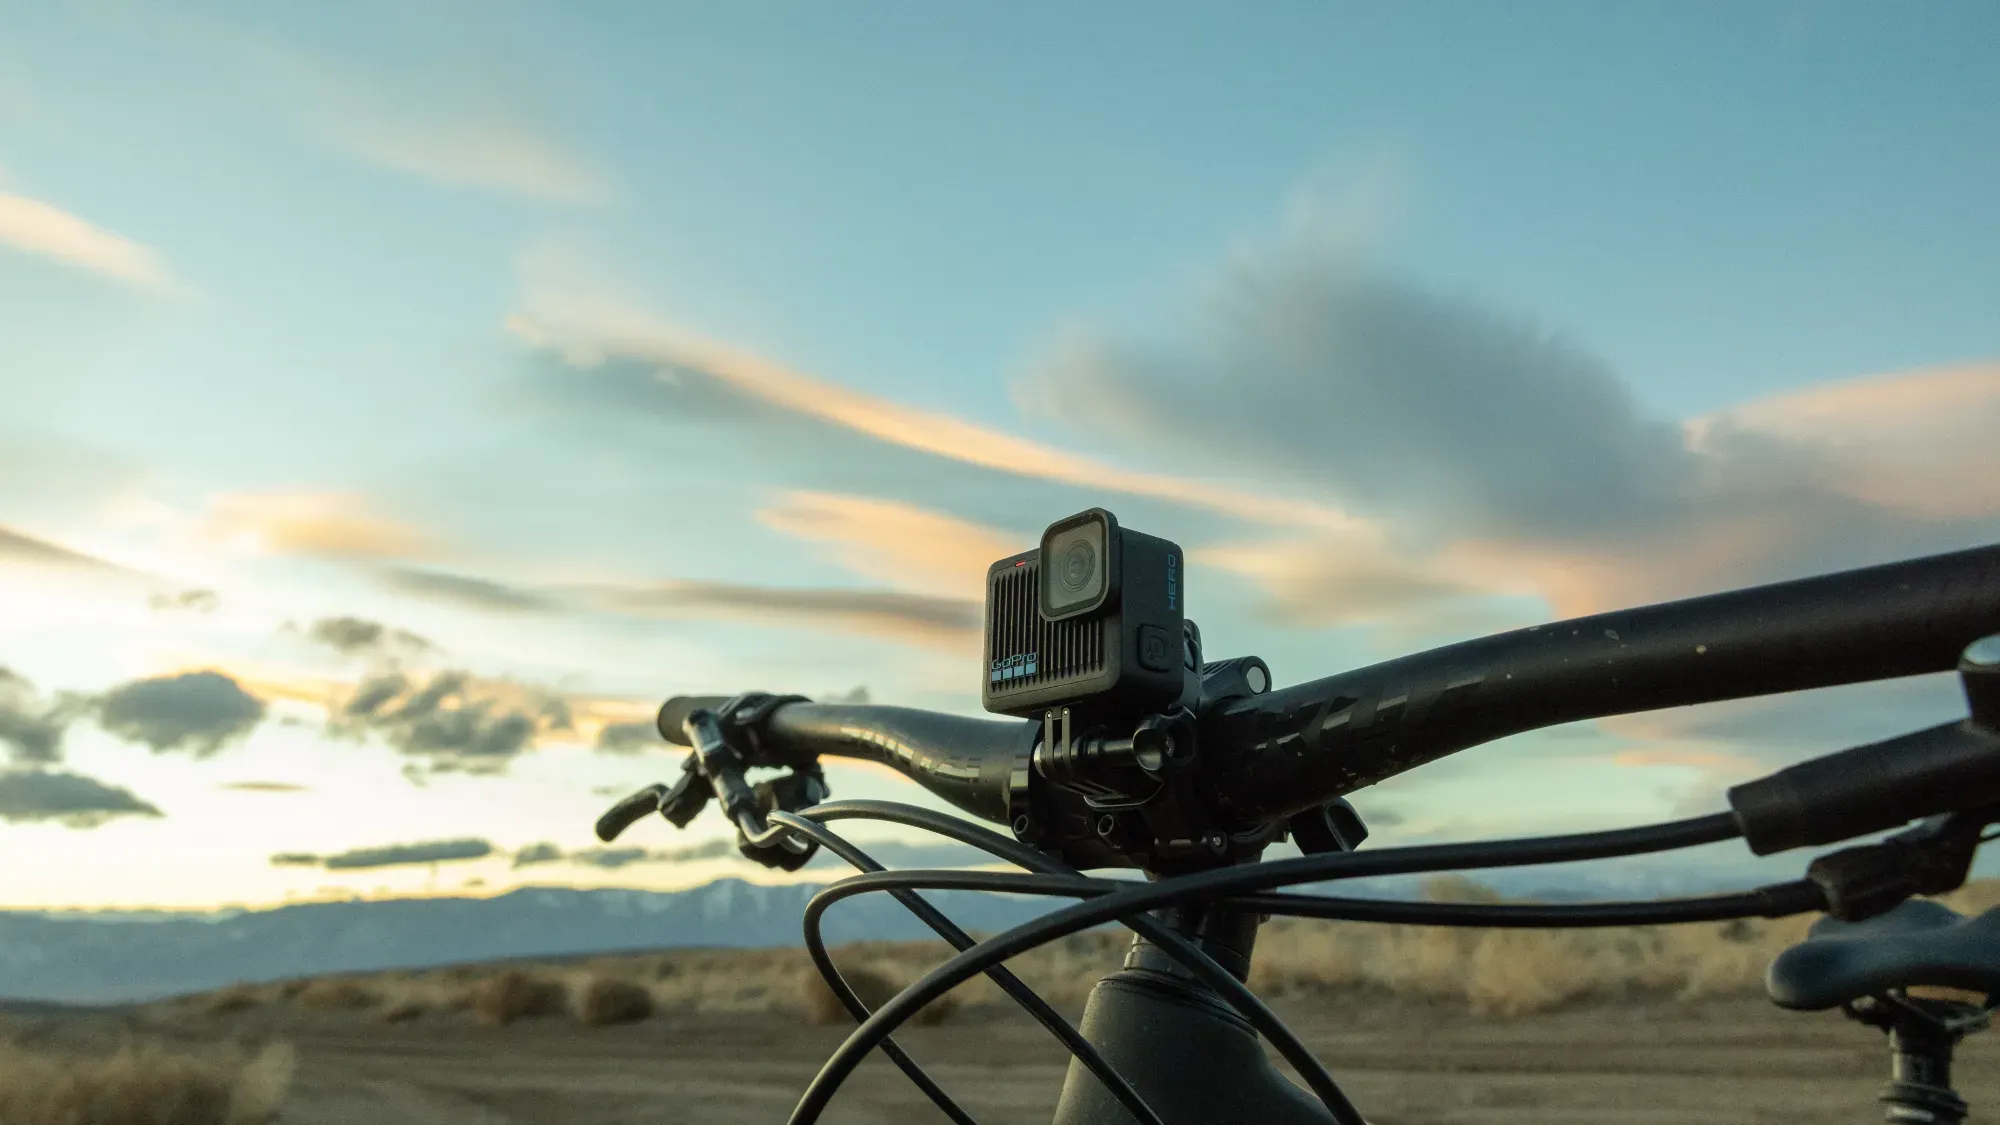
column 19, row 547
column 948, row 623
column 468, row 152
column 193, row 601
column 420, row 854
column 446, row 124
column 31, row 226
column 328, row 525
column 470, row 591
column 903, row 544
column 574, row 311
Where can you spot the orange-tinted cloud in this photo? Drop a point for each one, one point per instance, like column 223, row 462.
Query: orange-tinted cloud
column 1923, row 441
column 31, row 226
column 911, row 547
column 328, row 525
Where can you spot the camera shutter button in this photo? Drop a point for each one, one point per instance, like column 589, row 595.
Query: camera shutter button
column 1155, row 654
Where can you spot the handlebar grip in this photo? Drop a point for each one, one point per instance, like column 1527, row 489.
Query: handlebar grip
column 1292, row 749
column 1869, row 788
column 674, row 713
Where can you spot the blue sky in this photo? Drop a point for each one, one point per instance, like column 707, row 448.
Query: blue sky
column 638, row 349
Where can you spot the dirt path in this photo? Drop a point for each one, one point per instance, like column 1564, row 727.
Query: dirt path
column 1735, row 1062
column 1739, row 1062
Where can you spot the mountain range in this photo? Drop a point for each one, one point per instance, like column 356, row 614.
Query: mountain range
column 79, row 957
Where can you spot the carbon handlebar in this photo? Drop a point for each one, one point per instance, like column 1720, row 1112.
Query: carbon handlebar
column 969, row 762
column 1299, row 746
column 1296, row 748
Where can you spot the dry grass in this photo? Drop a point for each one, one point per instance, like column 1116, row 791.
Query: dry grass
column 1494, row 972
column 599, row 1001
column 144, row 1084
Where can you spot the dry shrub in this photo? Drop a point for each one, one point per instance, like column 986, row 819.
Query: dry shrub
column 235, row 998
column 337, row 994
column 873, row 988
column 515, row 994
column 937, row 1011
column 290, row 989
column 823, row 1007
column 144, row 1084
column 403, row 1009
column 600, row 1001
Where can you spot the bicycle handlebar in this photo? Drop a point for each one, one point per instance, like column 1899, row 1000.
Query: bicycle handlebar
column 969, row 762
column 1296, row 748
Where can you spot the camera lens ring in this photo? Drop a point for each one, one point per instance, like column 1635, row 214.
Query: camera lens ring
column 1079, row 565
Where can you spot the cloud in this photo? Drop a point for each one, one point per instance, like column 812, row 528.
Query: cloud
column 619, row 738
column 911, row 547
column 26, row 549
column 492, row 155
column 939, row 622
column 453, row 721
column 1337, row 580
column 390, row 855
column 948, row 623
column 325, row 525
column 534, row 854
column 264, row 787
column 1484, row 455
column 1918, row 441
column 34, row 796
column 1771, row 731
column 570, row 309
column 31, row 728
column 614, row 858
column 355, row 636
column 444, row 124
column 195, row 711
column 472, row 592
column 610, row 859
column 194, row 601
column 31, row 226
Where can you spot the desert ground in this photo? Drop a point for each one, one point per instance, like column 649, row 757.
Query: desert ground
column 1732, row 1060
column 1421, row 1026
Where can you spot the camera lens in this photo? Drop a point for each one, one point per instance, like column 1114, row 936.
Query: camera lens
column 1079, row 562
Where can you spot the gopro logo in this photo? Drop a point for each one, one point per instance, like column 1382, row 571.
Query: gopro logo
column 1013, row 667
column 1173, row 581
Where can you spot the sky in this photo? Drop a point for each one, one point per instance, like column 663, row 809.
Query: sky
column 399, row 400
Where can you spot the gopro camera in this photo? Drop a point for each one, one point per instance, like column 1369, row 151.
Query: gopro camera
column 1090, row 619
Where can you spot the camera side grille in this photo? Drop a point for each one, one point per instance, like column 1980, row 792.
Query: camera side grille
column 1026, row 651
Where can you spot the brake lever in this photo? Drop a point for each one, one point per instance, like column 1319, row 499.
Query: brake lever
column 630, row 811
column 721, row 766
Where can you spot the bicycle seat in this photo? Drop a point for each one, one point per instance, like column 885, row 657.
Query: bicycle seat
column 1918, row 943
